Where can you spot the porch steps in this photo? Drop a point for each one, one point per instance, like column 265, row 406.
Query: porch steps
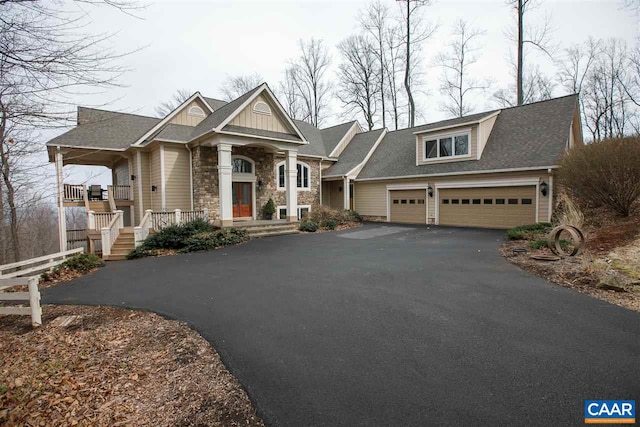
column 123, row 245
column 263, row 229
column 99, row 206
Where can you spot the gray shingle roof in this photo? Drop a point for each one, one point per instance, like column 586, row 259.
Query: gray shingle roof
column 215, row 103
column 314, row 136
column 173, row 132
column 533, row 135
column 354, row 153
column 218, row 116
column 105, row 129
column 333, row 135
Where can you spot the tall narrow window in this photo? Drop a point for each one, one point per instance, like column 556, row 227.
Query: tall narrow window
column 302, row 179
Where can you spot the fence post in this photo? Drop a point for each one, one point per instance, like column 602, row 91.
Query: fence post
column 205, row 213
column 34, row 302
column 106, row 240
column 178, row 217
column 92, row 220
column 149, row 223
column 137, row 236
column 120, row 218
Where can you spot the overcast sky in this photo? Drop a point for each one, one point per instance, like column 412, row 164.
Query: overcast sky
column 195, row 44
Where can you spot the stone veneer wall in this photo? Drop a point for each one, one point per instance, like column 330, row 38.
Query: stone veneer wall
column 205, row 179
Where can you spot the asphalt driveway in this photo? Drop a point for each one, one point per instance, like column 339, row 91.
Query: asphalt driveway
column 387, row 326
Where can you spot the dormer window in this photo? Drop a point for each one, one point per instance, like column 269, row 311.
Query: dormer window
column 261, row 107
column 196, row 111
column 446, row 146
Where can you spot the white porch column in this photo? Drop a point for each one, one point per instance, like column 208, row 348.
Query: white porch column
column 291, row 168
column 346, row 191
column 225, row 193
column 62, row 219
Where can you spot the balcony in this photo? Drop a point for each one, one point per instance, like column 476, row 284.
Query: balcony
column 79, row 195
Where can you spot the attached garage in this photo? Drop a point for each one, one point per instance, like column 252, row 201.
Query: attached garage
column 408, row 206
column 490, row 207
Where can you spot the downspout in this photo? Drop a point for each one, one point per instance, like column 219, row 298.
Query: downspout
column 190, row 173
column 320, row 173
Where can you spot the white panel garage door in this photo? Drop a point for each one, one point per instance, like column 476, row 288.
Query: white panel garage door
column 491, row 207
column 408, row 206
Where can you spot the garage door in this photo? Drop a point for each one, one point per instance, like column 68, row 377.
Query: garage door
column 408, row 206
column 492, row 207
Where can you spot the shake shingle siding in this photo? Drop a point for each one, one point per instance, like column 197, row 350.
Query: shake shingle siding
column 533, row 135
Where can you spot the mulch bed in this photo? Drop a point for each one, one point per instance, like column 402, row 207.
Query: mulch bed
column 111, row 366
column 590, row 272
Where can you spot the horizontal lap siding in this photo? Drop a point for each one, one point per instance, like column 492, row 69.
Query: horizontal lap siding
column 177, row 182
column 154, row 173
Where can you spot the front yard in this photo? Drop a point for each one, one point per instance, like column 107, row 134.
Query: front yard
column 99, row 366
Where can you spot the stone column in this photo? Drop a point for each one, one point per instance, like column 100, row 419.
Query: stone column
column 346, row 191
column 225, row 192
column 291, row 174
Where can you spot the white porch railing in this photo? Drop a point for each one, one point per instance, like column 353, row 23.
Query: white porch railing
column 120, row 192
column 141, row 231
column 100, row 220
column 74, row 193
column 160, row 220
column 111, row 232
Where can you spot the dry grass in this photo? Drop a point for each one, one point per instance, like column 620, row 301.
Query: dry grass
column 114, row 367
column 570, row 212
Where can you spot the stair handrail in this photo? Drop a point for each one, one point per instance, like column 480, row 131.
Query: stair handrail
column 111, row 232
column 110, row 198
column 141, row 232
column 85, row 197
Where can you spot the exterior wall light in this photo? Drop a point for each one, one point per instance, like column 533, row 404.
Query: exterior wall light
column 430, row 191
column 260, row 185
column 544, row 188
column 154, row 188
column 133, row 177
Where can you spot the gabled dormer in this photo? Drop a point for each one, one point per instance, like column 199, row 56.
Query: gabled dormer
column 460, row 140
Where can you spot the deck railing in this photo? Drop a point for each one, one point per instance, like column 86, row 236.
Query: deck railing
column 120, row 192
column 160, row 220
column 74, row 192
column 111, row 232
column 141, row 231
column 99, row 220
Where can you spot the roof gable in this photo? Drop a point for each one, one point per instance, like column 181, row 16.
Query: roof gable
column 262, row 113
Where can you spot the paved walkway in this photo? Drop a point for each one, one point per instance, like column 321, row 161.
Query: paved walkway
column 387, row 326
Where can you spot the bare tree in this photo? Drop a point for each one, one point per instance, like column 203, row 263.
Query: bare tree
column 375, row 21
column 308, row 73
column 537, row 86
column 359, row 78
column 456, row 83
column 236, row 86
column 536, row 36
column 44, row 60
column 288, row 92
column 394, row 65
column 415, row 32
column 176, row 99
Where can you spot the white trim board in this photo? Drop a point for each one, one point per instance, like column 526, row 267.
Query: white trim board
column 469, row 123
column 388, row 178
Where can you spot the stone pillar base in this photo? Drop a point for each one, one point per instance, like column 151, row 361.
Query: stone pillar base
column 292, row 218
column 226, row 223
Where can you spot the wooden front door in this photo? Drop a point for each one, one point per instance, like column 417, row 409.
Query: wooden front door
column 242, row 200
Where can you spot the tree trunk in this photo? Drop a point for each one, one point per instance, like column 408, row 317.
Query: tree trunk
column 6, row 177
column 520, row 70
column 407, row 86
column 381, row 47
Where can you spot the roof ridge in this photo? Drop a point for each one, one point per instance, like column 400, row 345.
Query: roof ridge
column 120, row 112
column 330, row 127
column 487, row 112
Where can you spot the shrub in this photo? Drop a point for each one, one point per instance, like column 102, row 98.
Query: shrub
column 214, row 239
column 174, row 237
column 328, row 224
column 528, row 231
column 269, row 207
column 309, row 226
column 322, row 214
column 604, row 173
column 141, row 252
column 81, row 263
column 542, row 243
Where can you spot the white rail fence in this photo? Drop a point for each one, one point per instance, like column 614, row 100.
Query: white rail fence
column 35, row 265
column 160, row 220
column 32, row 296
column 111, row 232
column 10, row 276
